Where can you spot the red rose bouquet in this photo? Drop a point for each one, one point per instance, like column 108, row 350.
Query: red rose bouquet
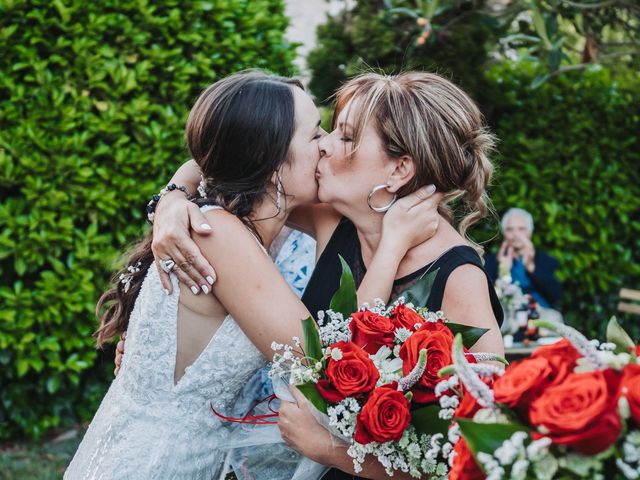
column 571, row 410
column 373, row 374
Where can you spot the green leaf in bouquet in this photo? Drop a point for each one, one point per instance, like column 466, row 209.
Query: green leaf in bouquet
column 620, row 338
column 345, row 300
column 311, row 393
column 470, row 335
column 312, row 344
column 426, row 420
column 419, row 292
column 487, row 437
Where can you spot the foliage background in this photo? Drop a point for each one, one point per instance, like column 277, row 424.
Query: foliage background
column 93, row 101
column 569, row 136
column 569, row 153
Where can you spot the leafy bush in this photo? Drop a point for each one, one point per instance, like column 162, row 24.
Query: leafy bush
column 93, row 100
column 568, row 149
column 569, row 153
column 374, row 35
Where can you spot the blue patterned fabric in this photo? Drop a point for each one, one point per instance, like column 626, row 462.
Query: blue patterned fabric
column 296, row 260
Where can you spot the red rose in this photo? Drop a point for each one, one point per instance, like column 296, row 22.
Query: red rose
column 354, row 375
column 403, row 316
column 464, row 465
column 522, row 382
column 384, row 417
column 562, row 357
column 580, row 412
column 371, row 331
column 631, row 389
column 437, row 339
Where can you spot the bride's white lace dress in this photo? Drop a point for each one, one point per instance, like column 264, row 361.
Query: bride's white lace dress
column 149, row 428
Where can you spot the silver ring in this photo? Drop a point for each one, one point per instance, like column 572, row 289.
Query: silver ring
column 167, row 265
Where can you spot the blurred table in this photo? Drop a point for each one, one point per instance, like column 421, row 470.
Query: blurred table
column 518, row 350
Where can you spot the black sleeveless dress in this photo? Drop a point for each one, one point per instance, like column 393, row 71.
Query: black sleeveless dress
column 325, row 280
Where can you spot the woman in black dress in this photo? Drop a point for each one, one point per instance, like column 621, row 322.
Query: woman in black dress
column 392, row 136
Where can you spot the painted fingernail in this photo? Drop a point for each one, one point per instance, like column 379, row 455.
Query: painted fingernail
column 431, row 188
column 210, row 279
column 166, row 291
column 205, row 226
column 195, row 290
column 205, row 289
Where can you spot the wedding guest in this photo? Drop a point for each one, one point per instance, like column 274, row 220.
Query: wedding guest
column 533, row 269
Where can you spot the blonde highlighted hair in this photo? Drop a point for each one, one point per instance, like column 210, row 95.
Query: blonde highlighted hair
column 429, row 119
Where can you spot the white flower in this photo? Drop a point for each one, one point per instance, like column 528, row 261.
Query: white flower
column 402, row 334
column 413, row 450
column 336, row 354
column 447, row 401
column 613, row 360
column 519, row 469
column 333, row 327
column 447, row 448
column 441, row 387
column 627, row 470
column 607, row 346
column 491, row 466
column 489, row 415
column 506, row 453
column 446, row 413
column 538, row 448
column 441, row 469
column 581, row 465
column 382, row 354
column 545, row 468
column 342, row 417
column 454, row 433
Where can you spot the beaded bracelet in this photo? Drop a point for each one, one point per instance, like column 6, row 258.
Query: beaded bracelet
column 153, row 203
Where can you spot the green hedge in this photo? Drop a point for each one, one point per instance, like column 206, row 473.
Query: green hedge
column 568, row 149
column 93, row 101
column 370, row 36
column 569, row 153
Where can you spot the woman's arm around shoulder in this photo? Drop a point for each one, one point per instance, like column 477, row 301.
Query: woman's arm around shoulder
column 249, row 285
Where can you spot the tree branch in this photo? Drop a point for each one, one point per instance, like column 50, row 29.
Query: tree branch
column 589, row 6
column 579, row 66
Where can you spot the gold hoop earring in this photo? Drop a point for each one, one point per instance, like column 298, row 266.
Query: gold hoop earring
column 375, row 189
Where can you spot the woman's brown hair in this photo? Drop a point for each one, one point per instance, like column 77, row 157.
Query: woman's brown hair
column 238, row 132
column 428, row 118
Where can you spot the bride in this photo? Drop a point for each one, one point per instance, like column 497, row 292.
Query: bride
column 256, row 136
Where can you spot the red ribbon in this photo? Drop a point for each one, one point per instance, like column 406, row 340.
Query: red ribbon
column 252, row 419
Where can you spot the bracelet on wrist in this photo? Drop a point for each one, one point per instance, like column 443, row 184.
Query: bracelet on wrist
column 153, row 203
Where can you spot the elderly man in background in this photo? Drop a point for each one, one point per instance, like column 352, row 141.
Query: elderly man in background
column 532, row 269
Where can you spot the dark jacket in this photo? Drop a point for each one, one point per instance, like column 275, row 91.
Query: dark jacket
column 543, row 278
